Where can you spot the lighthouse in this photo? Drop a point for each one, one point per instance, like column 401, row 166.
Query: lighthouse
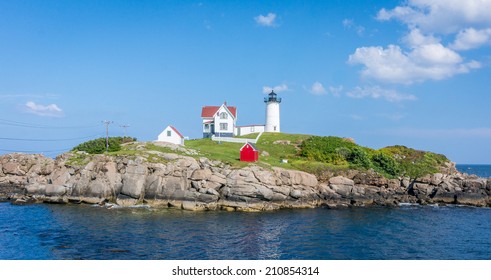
column 272, row 112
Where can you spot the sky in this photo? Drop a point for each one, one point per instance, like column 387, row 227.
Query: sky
column 414, row 73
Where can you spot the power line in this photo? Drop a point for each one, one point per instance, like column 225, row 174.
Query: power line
column 46, row 140
column 34, row 152
column 124, row 126
column 31, row 125
column 107, row 123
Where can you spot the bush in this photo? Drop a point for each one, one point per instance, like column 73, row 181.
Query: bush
column 326, row 149
column 385, row 164
column 98, row 146
column 390, row 161
column 359, row 158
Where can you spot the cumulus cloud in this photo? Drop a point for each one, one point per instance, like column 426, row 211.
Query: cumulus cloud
column 51, row 110
column 392, row 64
column 267, row 20
column 377, row 92
column 426, row 56
column 440, row 16
column 318, row 89
column 415, row 38
column 471, row 38
column 277, row 89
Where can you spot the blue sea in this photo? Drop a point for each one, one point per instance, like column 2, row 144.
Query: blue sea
column 481, row 170
column 45, row 231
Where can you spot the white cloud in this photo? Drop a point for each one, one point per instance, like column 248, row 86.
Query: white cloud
column 431, row 61
column 277, row 89
column 350, row 24
column 268, row 20
column 376, row 92
column 428, row 57
column 318, row 89
column 471, row 38
column 415, row 38
column 442, row 16
column 51, row 110
column 336, row 91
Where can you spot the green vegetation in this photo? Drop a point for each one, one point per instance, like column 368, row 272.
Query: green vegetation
column 322, row 156
column 414, row 163
column 390, row 161
column 98, row 146
column 249, row 136
column 222, row 151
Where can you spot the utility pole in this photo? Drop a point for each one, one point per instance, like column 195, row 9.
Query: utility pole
column 107, row 123
column 124, row 126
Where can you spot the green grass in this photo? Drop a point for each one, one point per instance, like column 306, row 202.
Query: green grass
column 224, row 151
column 322, row 156
column 229, row 152
column 249, row 136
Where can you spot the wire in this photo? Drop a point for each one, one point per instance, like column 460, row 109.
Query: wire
column 34, row 152
column 46, row 140
column 30, row 125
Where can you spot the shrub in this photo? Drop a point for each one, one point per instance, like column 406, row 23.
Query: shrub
column 359, row 158
column 385, row 164
column 98, row 146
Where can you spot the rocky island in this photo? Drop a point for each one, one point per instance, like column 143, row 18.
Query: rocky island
column 165, row 175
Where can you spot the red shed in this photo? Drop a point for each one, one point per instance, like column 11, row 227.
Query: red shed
column 249, row 152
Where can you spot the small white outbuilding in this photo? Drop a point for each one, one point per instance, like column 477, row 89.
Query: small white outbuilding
column 171, row 135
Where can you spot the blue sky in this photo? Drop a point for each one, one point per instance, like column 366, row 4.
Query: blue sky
column 412, row 73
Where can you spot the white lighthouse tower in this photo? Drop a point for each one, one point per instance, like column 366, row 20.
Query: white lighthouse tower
column 272, row 113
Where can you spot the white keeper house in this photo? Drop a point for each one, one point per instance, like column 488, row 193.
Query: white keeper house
column 221, row 121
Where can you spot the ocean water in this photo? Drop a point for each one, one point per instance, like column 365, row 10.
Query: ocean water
column 88, row 232
column 481, row 170
column 45, row 231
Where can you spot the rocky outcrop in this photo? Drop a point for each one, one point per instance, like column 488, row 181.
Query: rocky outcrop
column 200, row 184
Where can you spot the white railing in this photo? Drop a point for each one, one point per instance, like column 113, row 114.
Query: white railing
column 236, row 140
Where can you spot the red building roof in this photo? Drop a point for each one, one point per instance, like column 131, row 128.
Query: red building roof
column 210, row 111
column 177, row 131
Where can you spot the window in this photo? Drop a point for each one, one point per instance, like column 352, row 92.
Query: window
column 223, row 126
column 274, row 128
column 207, row 127
column 252, row 129
column 169, row 133
column 223, row 115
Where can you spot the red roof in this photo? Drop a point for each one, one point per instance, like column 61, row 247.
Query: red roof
column 253, row 147
column 209, row 111
column 178, row 133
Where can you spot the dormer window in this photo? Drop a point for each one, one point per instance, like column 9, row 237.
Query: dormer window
column 223, row 115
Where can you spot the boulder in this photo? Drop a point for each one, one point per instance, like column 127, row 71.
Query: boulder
column 474, row 199
column 201, row 174
column 13, row 168
column 342, row 190
column 296, row 194
column 39, row 189
column 444, row 197
column 55, row 190
column 340, row 180
column 193, row 206
column 134, row 181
